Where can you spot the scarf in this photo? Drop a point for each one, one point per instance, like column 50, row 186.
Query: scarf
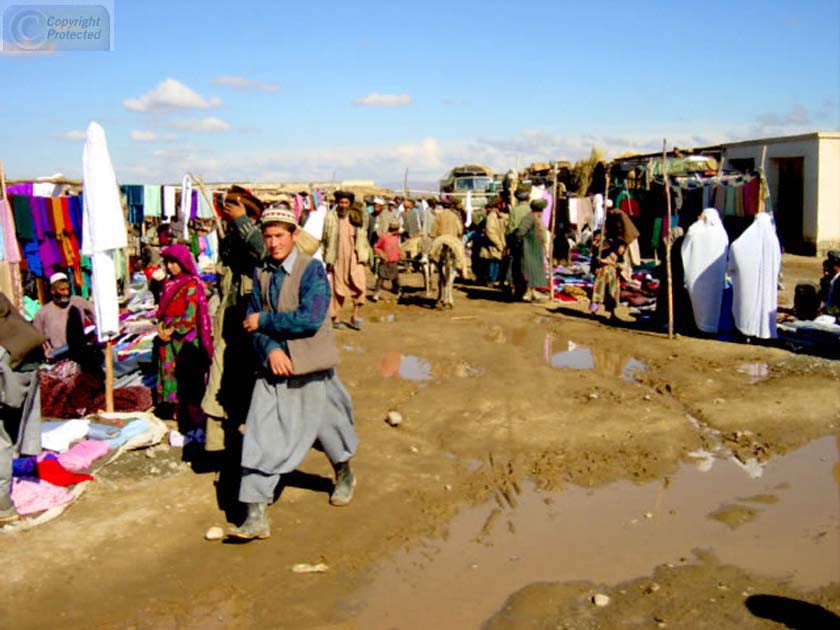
column 171, row 288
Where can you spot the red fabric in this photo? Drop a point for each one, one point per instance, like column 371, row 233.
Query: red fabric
column 751, row 193
column 51, row 471
column 67, row 392
column 631, row 207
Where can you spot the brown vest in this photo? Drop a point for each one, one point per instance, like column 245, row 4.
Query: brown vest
column 308, row 354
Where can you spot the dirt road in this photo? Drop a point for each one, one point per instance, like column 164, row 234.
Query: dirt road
column 544, row 458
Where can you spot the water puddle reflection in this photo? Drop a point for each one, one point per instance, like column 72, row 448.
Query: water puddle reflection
column 783, row 525
column 414, row 368
column 757, row 372
column 602, row 361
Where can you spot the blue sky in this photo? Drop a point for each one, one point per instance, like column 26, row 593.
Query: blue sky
column 255, row 91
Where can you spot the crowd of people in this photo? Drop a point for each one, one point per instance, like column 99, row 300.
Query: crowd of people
column 258, row 350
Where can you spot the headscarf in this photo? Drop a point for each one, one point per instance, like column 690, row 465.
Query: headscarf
column 704, row 259
column 180, row 254
column 755, row 258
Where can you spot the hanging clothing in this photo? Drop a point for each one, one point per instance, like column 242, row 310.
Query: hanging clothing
column 704, row 259
column 11, row 250
column 151, row 201
column 169, row 202
column 205, row 210
column 103, row 228
column 47, row 245
column 755, row 260
column 598, row 211
column 134, row 200
column 752, row 189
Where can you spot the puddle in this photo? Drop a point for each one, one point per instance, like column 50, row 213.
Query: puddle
column 414, row 368
column 757, row 372
column 783, row 525
column 705, row 458
column 577, row 359
column 408, row 367
column 583, row 358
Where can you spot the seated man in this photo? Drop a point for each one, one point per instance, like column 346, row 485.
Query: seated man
column 51, row 320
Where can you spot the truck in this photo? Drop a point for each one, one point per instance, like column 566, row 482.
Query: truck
column 469, row 177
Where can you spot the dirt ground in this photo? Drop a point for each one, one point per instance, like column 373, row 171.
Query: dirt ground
column 485, row 415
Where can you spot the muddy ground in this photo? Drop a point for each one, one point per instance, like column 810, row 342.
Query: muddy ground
column 490, row 428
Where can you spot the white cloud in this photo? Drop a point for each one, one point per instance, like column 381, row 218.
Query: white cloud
column 246, row 85
column 170, row 95
column 150, row 136
column 74, row 134
column 375, row 99
column 427, row 159
column 208, row 124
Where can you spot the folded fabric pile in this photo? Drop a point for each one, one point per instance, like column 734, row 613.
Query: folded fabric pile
column 68, row 392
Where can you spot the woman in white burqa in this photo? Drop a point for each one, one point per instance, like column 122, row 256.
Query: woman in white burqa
column 704, row 258
column 755, row 258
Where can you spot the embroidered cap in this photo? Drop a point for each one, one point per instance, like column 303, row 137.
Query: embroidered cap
column 278, row 214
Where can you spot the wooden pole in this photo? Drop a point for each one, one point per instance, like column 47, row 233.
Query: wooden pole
column 405, row 183
column 666, row 233
column 3, row 182
column 109, row 376
column 209, row 199
column 551, row 233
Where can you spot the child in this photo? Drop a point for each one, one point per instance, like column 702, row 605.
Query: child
column 607, row 288
column 387, row 249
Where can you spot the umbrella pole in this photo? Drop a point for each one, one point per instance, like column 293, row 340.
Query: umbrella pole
column 667, row 235
column 109, row 376
column 551, row 233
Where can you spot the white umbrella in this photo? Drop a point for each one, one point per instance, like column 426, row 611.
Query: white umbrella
column 103, row 233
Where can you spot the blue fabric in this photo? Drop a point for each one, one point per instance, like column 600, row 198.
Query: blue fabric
column 102, row 431
column 25, row 467
column 276, row 328
column 134, row 428
column 134, row 201
column 33, row 257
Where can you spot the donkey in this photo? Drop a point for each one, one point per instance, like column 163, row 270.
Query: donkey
column 447, row 267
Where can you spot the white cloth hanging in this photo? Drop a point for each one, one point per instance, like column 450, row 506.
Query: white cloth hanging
column 315, row 226
column 755, row 259
column 169, row 202
column 704, row 259
column 468, row 206
column 599, row 214
column 186, row 203
column 103, row 228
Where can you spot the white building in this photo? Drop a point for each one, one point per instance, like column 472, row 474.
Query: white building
column 803, row 173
